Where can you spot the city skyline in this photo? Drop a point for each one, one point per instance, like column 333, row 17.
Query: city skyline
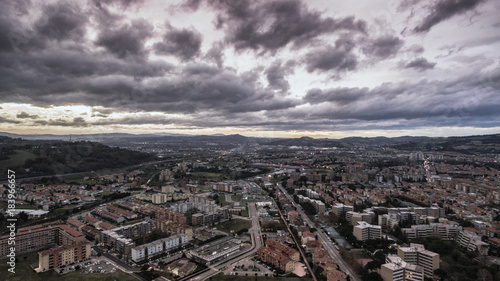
column 255, row 68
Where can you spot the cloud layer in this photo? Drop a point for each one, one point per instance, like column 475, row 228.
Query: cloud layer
column 281, row 65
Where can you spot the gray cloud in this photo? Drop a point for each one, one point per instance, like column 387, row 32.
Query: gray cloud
column 61, row 21
column 126, row 41
column 420, row 64
column 275, row 75
column 406, row 4
column 183, row 43
column 457, row 102
column 270, row 25
column 54, row 63
column 339, row 96
column 24, row 115
column 7, row 120
column 119, row 3
column 383, row 47
column 216, row 54
column 338, row 58
column 444, row 9
column 76, row 122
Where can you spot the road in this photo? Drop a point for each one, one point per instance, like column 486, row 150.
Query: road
column 255, row 235
column 116, row 261
column 323, row 238
column 297, row 243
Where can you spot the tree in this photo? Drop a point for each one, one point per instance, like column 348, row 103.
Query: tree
column 372, row 265
column 23, row 216
column 373, row 276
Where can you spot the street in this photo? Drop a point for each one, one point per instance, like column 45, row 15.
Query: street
column 324, row 240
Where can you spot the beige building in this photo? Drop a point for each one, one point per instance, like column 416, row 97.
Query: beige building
column 64, row 255
column 398, row 270
column 418, row 255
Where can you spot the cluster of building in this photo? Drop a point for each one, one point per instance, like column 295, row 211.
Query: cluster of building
column 411, row 263
column 158, row 247
column 66, row 245
column 318, row 204
column 279, row 255
column 216, row 250
column 121, row 239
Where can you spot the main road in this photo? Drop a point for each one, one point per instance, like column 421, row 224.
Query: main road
column 323, row 238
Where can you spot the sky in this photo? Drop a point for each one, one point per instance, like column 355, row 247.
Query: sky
column 265, row 68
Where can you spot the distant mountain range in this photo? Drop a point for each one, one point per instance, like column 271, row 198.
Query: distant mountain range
column 485, row 143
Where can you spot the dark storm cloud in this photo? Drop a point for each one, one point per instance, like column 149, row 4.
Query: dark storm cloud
column 270, row 25
column 7, row 120
column 11, row 28
column 183, row 43
column 69, row 76
column 201, row 87
column 61, row 21
column 444, row 9
column 338, row 58
column 458, row 102
column 420, row 64
column 383, row 47
column 76, row 122
column 191, row 88
column 275, row 75
column 126, row 41
column 339, row 96
column 24, row 115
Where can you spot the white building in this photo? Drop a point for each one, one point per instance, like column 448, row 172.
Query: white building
column 365, row 231
column 159, row 246
column 418, row 255
column 398, row 270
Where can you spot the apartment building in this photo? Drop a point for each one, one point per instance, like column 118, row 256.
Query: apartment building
column 157, row 247
column 398, row 270
column 354, row 217
column 30, row 239
column 63, row 255
column 365, row 231
column 418, row 255
column 279, row 260
column 472, row 242
column 340, row 209
column 285, row 250
column 120, row 239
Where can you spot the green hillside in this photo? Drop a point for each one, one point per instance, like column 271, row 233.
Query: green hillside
column 36, row 158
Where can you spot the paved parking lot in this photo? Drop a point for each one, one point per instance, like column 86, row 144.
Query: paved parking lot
column 248, row 267
column 98, row 266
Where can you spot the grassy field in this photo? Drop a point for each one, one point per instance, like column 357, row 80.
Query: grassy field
column 235, row 225
column 244, row 213
column 16, row 160
column 222, row 200
column 236, row 198
column 24, row 272
column 221, row 277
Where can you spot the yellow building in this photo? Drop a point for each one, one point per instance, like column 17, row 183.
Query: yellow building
column 64, row 255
